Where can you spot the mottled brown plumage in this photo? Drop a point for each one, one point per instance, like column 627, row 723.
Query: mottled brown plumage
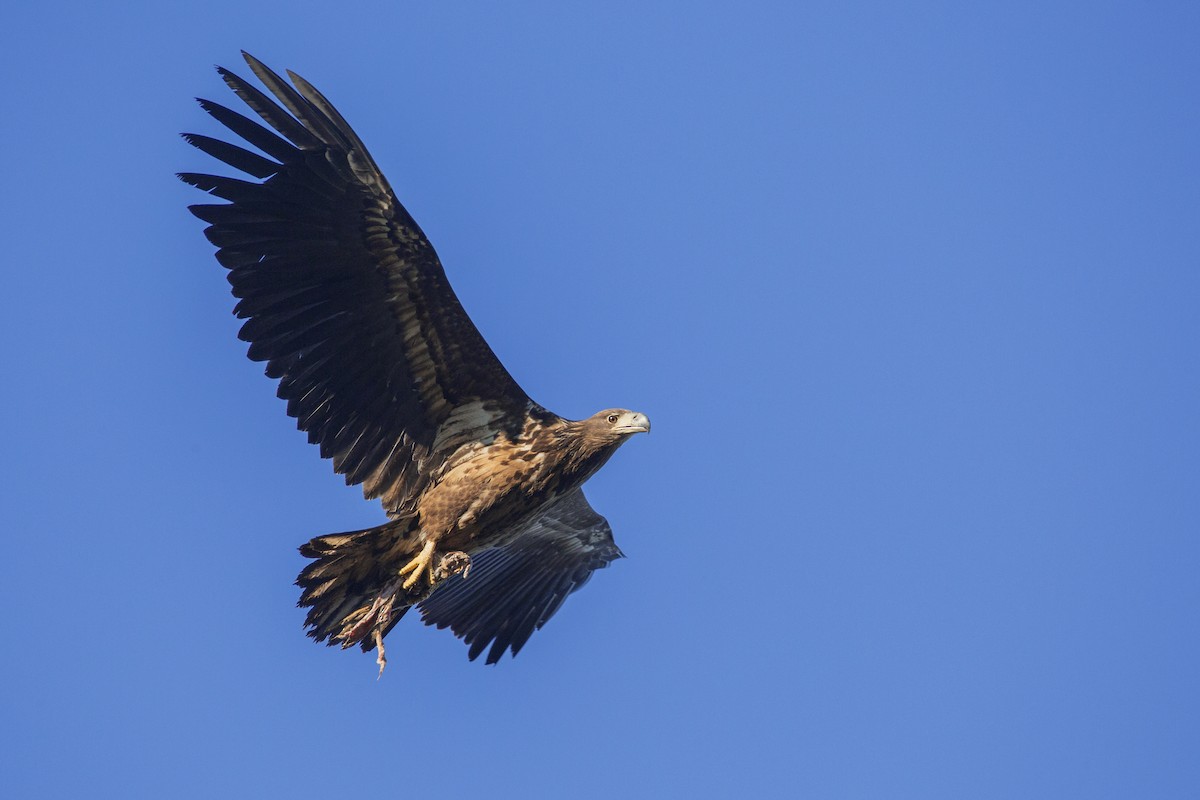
column 347, row 303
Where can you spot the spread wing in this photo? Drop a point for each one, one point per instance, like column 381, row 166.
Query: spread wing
column 344, row 298
column 513, row 590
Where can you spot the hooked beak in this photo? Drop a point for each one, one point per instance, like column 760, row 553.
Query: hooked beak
column 638, row 423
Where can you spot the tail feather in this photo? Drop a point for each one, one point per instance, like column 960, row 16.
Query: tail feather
column 351, row 587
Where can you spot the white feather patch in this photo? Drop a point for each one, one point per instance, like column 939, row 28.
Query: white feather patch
column 473, row 422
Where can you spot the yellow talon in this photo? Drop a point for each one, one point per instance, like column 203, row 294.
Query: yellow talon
column 419, row 566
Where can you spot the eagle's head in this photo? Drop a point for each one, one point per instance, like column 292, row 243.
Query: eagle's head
column 617, row 424
column 604, row 431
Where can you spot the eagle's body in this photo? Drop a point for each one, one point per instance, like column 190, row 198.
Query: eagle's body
column 498, row 485
column 349, row 306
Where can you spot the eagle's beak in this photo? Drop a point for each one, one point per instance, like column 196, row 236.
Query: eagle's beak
column 638, row 423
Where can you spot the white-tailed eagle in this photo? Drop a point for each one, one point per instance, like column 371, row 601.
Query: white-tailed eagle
column 347, row 303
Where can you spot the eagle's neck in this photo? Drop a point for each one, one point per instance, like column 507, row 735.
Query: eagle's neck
column 580, row 450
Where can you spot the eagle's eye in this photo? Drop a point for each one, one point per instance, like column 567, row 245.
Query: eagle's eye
column 612, row 419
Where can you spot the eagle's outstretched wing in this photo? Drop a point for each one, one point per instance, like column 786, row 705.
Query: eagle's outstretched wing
column 344, row 297
column 511, row 591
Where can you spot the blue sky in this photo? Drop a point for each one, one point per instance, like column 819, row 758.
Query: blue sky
column 909, row 291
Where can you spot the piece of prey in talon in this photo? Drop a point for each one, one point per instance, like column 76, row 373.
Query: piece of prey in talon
column 347, row 303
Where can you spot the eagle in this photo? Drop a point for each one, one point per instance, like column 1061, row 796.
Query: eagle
column 347, row 303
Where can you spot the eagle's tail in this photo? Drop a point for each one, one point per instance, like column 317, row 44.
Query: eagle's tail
column 353, row 589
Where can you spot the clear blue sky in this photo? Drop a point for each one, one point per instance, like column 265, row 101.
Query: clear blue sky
column 910, row 292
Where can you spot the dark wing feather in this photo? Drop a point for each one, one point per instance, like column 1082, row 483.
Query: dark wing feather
column 344, row 297
column 513, row 590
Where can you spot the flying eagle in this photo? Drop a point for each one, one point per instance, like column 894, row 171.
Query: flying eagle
column 347, row 303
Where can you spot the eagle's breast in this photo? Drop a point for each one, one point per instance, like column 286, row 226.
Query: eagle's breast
column 489, row 491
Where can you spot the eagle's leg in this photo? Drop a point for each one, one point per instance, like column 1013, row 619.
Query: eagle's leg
column 419, row 567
